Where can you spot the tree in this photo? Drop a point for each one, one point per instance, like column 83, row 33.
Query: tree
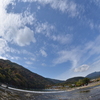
column 86, row 81
column 79, row 83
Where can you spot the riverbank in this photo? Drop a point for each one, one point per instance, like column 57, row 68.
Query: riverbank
column 86, row 93
column 89, row 85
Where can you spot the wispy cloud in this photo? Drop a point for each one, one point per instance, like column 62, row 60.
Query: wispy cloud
column 95, row 65
column 33, row 59
column 3, row 46
column 78, row 54
column 64, row 56
column 43, row 52
column 8, row 56
column 43, row 64
column 93, row 46
column 44, row 28
column 28, row 62
column 97, row 2
column 5, row 50
column 67, row 6
column 49, row 31
column 63, row 39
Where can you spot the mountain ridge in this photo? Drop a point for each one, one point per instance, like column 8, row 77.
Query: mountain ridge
column 16, row 75
column 73, row 80
column 56, row 81
column 93, row 75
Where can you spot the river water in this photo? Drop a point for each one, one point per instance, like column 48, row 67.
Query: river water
column 92, row 93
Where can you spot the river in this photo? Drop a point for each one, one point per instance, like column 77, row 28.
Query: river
column 91, row 93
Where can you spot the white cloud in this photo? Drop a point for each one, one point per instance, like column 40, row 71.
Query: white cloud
column 82, row 68
column 5, row 49
column 43, row 53
column 12, row 25
column 62, row 5
column 3, row 46
column 28, row 62
column 24, row 37
column 4, row 3
column 63, row 39
column 12, row 57
column 14, row 29
column 44, row 28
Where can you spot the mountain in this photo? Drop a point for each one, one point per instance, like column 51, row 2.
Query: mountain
column 20, row 77
column 73, row 80
column 93, row 75
column 55, row 81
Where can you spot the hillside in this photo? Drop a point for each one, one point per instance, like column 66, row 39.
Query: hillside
column 55, row 81
column 20, row 77
column 73, row 80
column 93, row 75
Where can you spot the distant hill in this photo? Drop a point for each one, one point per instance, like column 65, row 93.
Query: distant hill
column 55, row 81
column 93, row 75
column 73, row 80
column 20, row 77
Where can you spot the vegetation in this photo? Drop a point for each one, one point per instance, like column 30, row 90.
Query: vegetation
column 74, row 82
column 84, row 81
column 20, row 77
column 71, row 81
column 15, row 75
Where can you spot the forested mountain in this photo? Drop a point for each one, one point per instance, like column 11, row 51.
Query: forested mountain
column 73, row 80
column 93, row 75
column 20, row 77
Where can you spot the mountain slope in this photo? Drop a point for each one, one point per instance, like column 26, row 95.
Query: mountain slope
column 73, row 80
column 55, row 81
column 18, row 76
column 93, row 75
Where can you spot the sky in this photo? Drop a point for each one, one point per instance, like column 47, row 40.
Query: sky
column 57, row 39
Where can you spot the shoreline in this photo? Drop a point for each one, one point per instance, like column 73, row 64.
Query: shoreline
column 38, row 92
column 82, row 87
column 60, row 90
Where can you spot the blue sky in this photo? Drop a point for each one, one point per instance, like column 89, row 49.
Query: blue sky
column 53, row 38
